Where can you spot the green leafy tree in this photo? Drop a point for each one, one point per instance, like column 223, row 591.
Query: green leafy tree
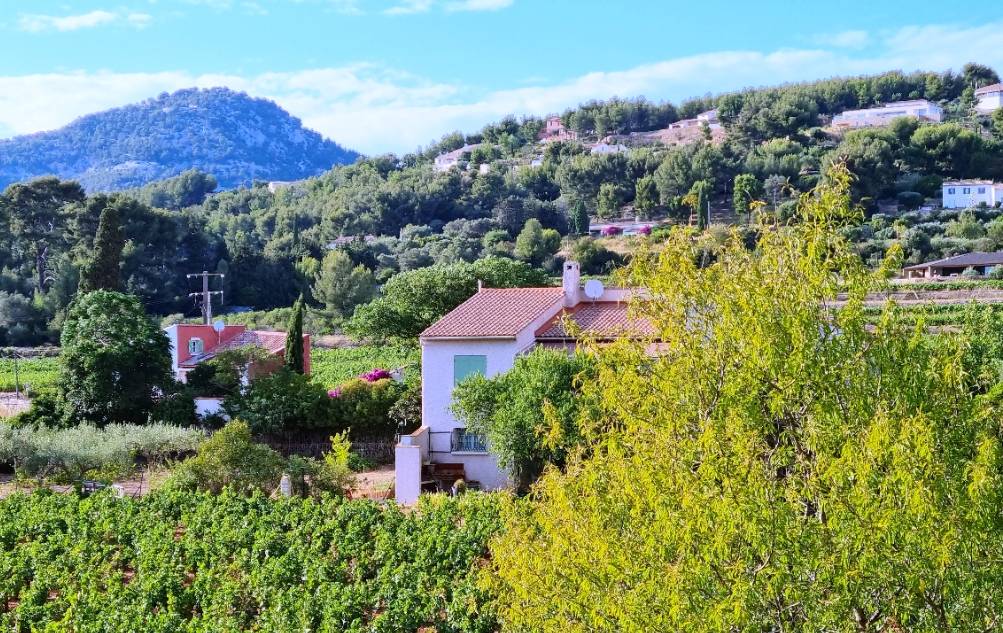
column 698, row 200
column 33, row 213
column 579, row 214
column 535, row 244
column 775, row 466
column 341, row 286
column 609, row 201
column 114, row 360
column 230, row 459
column 294, row 339
column 529, row 413
column 413, row 300
column 645, row 196
column 747, row 190
column 281, row 403
column 103, row 271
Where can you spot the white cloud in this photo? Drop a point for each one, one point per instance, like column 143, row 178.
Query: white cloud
column 36, row 23
column 408, row 7
column 375, row 109
column 479, row 5
column 847, row 39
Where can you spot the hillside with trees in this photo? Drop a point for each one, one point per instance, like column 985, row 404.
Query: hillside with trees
column 339, row 237
column 234, row 137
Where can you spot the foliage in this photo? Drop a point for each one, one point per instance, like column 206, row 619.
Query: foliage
column 293, row 357
column 281, row 402
column 776, row 466
column 177, row 560
column 529, row 413
column 114, row 360
column 70, row 455
column 413, row 300
column 332, row 367
column 333, row 472
column 341, row 285
column 223, row 374
column 747, row 191
column 535, row 244
column 215, row 130
column 37, row 374
column 229, row 458
column 364, row 407
column 102, row 271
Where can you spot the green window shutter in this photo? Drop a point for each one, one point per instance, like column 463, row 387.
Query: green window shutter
column 464, row 366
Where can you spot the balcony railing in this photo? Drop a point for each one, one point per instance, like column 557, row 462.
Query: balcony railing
column 464, row 442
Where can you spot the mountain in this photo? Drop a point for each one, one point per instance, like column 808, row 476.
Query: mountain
column 235, row 137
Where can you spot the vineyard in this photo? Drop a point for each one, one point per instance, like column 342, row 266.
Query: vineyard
column 332, row 367
column 39, row 374
column 176, row 561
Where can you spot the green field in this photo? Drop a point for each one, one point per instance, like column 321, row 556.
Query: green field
column 38, row 373
column 332, row 367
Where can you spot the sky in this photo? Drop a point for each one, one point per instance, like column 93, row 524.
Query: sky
column 394, row 75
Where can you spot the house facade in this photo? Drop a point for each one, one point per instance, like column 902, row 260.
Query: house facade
column 963, row 194
column 445, row 162
column 485, row 335
column 886, row 113
column 555, row 130
column 193, row 344
column 981, row 263
column 990, row 99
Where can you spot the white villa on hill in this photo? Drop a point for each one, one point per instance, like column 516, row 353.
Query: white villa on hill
column 963, row 194
column 990, row 99
column 484, row 335
column 886, row 113
column 445, row 162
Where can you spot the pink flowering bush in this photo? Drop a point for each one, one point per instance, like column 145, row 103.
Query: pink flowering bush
column 375, row 374
column 644, row 230
column 610, row 231
column 334, row 393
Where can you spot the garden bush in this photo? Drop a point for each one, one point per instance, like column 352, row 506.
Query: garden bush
column 230, row 458
column 364, row 406
column 282, row 402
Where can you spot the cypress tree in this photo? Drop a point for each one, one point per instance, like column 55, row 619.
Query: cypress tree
column 102, row 271
column 294, row 338
column 579, row 217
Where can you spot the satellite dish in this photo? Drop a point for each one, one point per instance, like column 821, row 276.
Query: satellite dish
column 218, row 325
column 594, row 289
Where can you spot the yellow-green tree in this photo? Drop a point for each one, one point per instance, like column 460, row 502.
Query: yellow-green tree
column 780, row 464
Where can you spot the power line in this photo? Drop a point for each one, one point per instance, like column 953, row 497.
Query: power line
column 206, row 294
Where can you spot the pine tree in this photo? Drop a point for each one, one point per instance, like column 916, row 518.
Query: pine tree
column 294, row 338
column 102, row 271
column 579, row 217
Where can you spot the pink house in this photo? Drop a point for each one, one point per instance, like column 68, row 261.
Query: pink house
column 554, row 130
column 192, row 344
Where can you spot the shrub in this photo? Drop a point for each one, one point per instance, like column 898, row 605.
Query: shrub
column 281, row 402
column 70, row 455
column 230, row 459
column 365, row 407
column 610, row 231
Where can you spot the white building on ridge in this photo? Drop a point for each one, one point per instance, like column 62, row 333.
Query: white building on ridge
column 990, row 99
column 886, row 113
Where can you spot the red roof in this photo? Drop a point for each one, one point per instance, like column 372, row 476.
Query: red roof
column 600, row 319
column 271, row 342
column 495, row 313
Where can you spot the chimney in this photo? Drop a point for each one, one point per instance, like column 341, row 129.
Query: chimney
column 572, row 284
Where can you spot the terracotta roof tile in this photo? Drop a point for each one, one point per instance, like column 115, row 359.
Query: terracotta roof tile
column 271, row 342
column 495, row 313
column 602, row 319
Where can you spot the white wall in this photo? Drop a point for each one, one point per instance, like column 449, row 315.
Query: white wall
column 990, row 103
column 963, row 196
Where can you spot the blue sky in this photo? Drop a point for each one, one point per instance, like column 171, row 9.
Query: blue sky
column 390, row 75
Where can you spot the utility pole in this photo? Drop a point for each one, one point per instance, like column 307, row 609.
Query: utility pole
column 206, row 294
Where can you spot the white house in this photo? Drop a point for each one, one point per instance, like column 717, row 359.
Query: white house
column 485, row 335
column 990, row 98
column 445, row 162
column 604, row 147
column 962, row 194
column 886, row 113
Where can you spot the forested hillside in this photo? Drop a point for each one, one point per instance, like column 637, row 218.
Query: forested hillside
column 234, row 137
column 340, row 236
